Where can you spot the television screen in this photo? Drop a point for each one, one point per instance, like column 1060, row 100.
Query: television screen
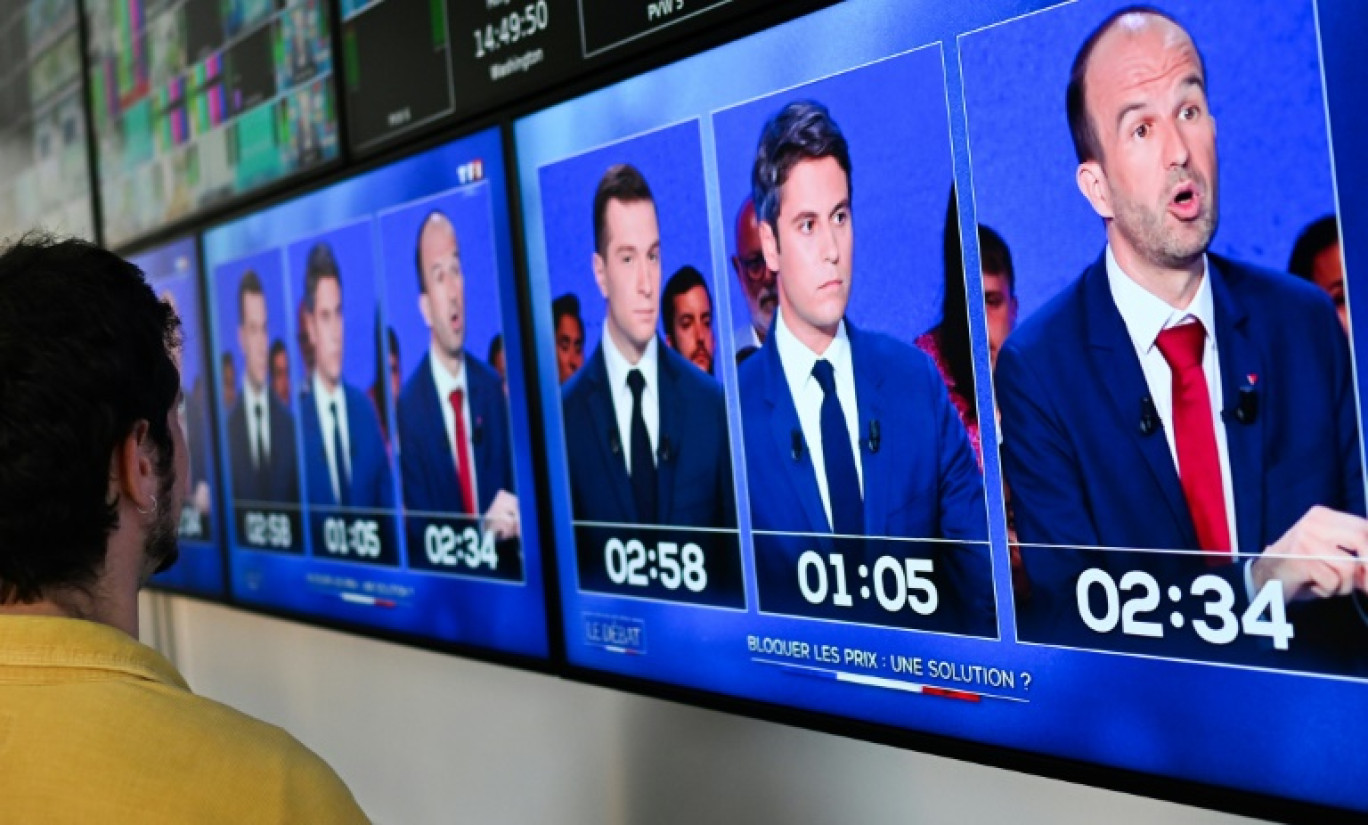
column 173, row 271
column 198, row 102
column 370, row 380
column 907, row 379
column 44, row 164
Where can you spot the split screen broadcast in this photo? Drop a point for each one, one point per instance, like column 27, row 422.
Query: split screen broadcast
column 929, row 364
column 377, row 461
column 828, row 426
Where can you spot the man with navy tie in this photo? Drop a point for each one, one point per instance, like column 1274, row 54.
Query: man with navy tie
column 1170, row 399
column 346, row 463
column 261, row 432
column 646, row 430
column 455, row 455
column 848, row 433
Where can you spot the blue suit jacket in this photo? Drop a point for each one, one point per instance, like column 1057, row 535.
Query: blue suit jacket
column 922, row 482
column 693, row 454
column 426, row 464
column 1082, row 473
column 280, row 482
column 372, row 482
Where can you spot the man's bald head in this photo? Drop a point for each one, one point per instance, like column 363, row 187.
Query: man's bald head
column 1127, row 22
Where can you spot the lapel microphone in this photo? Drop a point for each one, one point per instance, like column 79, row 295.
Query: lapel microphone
column 666, row 451
column 873, row 441
column 1247, row 405
column 614, row 445
column 797, row 444
column 1149, row 417
column 477, row 432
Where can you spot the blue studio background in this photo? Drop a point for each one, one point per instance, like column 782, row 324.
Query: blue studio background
column 671, row 161
column 174, row 269
column 468, row 209
column 1160, row 717
column 1264, row 88
column 504, row 616
column 355, row 254
column 901, row 173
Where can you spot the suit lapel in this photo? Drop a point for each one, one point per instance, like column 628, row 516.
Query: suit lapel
column 1118, row 369
column 599, row 399
column 869, row 407
column 667, row 437
column 783, row 425
column 1241, row 368
column 437, row 442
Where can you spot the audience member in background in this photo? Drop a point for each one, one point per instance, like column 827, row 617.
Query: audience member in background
column 1316, row 257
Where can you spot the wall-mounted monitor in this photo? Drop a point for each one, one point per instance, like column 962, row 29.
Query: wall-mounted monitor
column 173, row 271
column 369, row 376
column 804, row 302
column 44, row 161
column 197, row 103
column 407, row 65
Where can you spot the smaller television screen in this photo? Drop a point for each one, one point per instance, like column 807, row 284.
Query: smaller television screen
column 197, row 103
column 174, row 273
column 44, row 164
column 369, row 377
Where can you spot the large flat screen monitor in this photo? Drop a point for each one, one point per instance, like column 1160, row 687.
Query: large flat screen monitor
column 369, row 379
column 44, row 160
column 199, row 102
column 173, row 271
column 803, row 303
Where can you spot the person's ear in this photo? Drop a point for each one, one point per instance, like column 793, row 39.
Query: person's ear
column 133, row 467
column 601, row 274
column 769, row 244
column 1092, row 182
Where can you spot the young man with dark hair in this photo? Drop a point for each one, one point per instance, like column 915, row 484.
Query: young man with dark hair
column 639, row 416
column 345, row 459
column 261, row 432
column 101, row 728
column 869, row 443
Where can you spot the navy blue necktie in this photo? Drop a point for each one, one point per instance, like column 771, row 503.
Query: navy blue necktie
column 843, row 482
column 643, row 462
column 340, row 455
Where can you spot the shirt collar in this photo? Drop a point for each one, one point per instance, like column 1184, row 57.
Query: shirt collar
column 34, row 649
column 326, row 398
column 797, row 360
column 1146, row 314
column 617, row 364
column 446, row 382
column 253, row 396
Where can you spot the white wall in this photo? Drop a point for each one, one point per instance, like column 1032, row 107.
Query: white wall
column 421, row 737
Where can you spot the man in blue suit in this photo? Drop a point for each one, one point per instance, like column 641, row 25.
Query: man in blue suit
column 847, row 432
column 1173, row 400
column 453, row 416
column 646, row 430
column 261, row 431
column 345, row 460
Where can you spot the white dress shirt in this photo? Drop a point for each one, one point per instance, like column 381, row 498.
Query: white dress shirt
column 1145, row 316
column 446, row 384
column 258, row 424
column 618, row 368
column 807, row 394
column 326, row 400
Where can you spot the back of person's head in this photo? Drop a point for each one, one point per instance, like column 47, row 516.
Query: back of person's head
column 1317, row 237
column 86, row 352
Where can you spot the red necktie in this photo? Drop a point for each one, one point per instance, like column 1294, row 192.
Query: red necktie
column 1194, row 436
column 457, row 399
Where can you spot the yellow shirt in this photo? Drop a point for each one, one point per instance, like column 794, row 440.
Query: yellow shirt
column 96, row 727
